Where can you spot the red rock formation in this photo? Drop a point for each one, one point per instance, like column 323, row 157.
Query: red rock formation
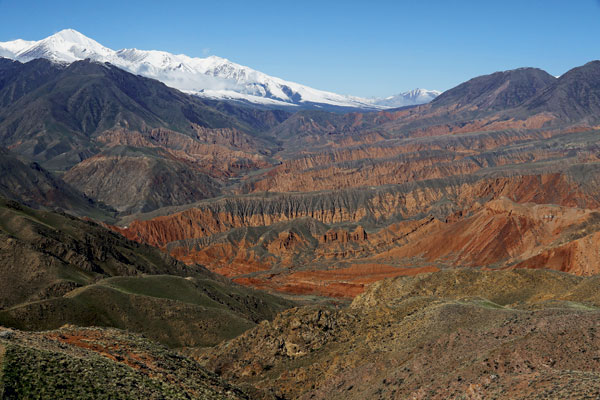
column 342, row 236
column 494, row 231
column 204, row 220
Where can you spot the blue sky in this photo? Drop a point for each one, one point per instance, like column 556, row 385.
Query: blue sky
column 373, row 48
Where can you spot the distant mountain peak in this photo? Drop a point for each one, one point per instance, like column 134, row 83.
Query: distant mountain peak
column 409, row 98
column 213, row 77
column 67, row 46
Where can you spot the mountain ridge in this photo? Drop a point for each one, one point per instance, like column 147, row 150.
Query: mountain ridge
column 51, row 112
column 211, row 77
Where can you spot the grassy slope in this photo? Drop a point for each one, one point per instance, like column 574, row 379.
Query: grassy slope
column 173, row 310
column 56, row 269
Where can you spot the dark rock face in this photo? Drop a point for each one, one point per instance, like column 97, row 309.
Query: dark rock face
column 498, row 91
column 575, row 96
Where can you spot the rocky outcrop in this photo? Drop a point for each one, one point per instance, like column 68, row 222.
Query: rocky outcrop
column 342, row 236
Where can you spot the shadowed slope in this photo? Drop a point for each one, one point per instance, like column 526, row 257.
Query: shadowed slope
column 31, row 184
column 575, row 96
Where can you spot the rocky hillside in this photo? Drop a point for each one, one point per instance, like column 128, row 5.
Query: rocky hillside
column 141, row 179
column 452, row 334
column 78, row 363
column 498, row 91
column 575, row 96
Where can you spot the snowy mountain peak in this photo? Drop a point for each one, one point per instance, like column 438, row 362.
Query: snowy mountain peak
column 71, row 36
column 16, row 45
column 410, row 98
column 67, row 45
column 213, row 76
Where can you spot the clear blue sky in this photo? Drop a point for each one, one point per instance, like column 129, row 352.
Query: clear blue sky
column 365, row 48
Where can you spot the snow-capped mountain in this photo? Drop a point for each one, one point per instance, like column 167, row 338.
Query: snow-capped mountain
column 212, row 77
column 410, row 98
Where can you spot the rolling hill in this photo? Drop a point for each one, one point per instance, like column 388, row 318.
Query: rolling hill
column 56, row 269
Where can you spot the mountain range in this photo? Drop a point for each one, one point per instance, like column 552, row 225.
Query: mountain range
column 54, row 112
column 212, row 77
column 444, row 250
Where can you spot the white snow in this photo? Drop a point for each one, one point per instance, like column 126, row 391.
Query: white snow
column 212, row 77
column 410, row 98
